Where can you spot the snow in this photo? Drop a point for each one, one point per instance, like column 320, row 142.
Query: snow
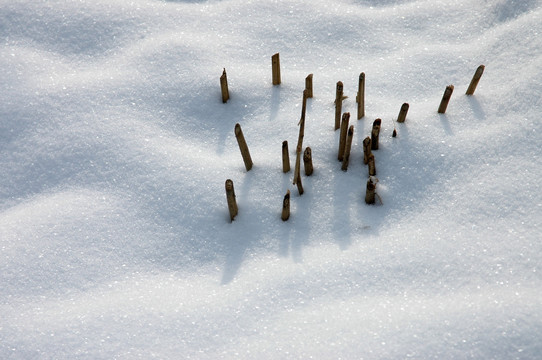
column 115, row 145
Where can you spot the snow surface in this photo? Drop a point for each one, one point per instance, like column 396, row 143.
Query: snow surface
column 114, row 148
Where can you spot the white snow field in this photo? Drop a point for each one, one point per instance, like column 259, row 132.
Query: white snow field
column 115, row 238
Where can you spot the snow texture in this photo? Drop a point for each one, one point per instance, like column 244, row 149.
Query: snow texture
column 115, row 239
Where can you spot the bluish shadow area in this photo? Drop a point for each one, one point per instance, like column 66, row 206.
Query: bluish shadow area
column 511, row 9
column 382, row 3
column 476, row 108
column 446, row 124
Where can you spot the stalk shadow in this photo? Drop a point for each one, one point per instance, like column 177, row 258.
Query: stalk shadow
column 476, row 108
column 275, row 102
column 245, row 235
column 446, row 124
column 341, row 206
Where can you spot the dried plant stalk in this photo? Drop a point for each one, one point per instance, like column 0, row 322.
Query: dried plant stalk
column 372, row 168
column 243, row 147
column 307, row 161
column 475, row 79
column 342, row 136
column 285, row 157
column 445, row 99
column 286, row 207
column 338, row 104
column 366, row 149
column 230, row 197
column 375, row 133
column 308, row 85
column 402, row 113
column 224, row 87
column 297, row 171
column 360, row 98
column 370, row 192
column 275, row 65
column 348, row 146
column 304, row 106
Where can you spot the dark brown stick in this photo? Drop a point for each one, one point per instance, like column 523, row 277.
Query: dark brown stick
column 304, row 105
column 307, row 161
column 375, row 134
column 275, row 65
column 286, row 207
column 366, row 150
column 285, row 157
column 338, row 104
column 402, row 113
column 370, row 192
column 348, row 146
column 445, row 99
column 243, row 147
column 360, row 98
column 342, row 136
column 372, row 168
column 308, row 85
column 297, row 171
column 230, row 197
column 475, row 80
column 224, row 87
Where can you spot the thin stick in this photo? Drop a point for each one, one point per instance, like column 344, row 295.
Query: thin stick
column 445, row 99
column 307, row 161
column 275, row 64
column 224, row 86
column 372, row 168
column 285, row 157
column 360, row 98
column 230, row 197
column 375, row 134
column 243, row 147
column 347, row 148
column 304, row 106
column 308, row 85
column 297, row 171
column 338, row 104
column 366, row 149
column 370, row 192
column 286, row 207
column 475, row 80
column 342, row 136
column 402, row 113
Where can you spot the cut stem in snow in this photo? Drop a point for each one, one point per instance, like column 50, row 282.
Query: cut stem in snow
column 342, row 136
column 307, row 161
column 371, row 165
column 338, row 104
column 304, row 107
column 285, row 157
column 243, row 147
column 360, row 98
column 308, row 85
column 445, row 99
column 348, row 146
column 230, row 197
column 366, row 149
column 402, row 113
column 475, row 80
column 224, row 87
column 275, row 66
column 375, row 133
column 286, row 207
column 370, row 191
column 297, row 171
